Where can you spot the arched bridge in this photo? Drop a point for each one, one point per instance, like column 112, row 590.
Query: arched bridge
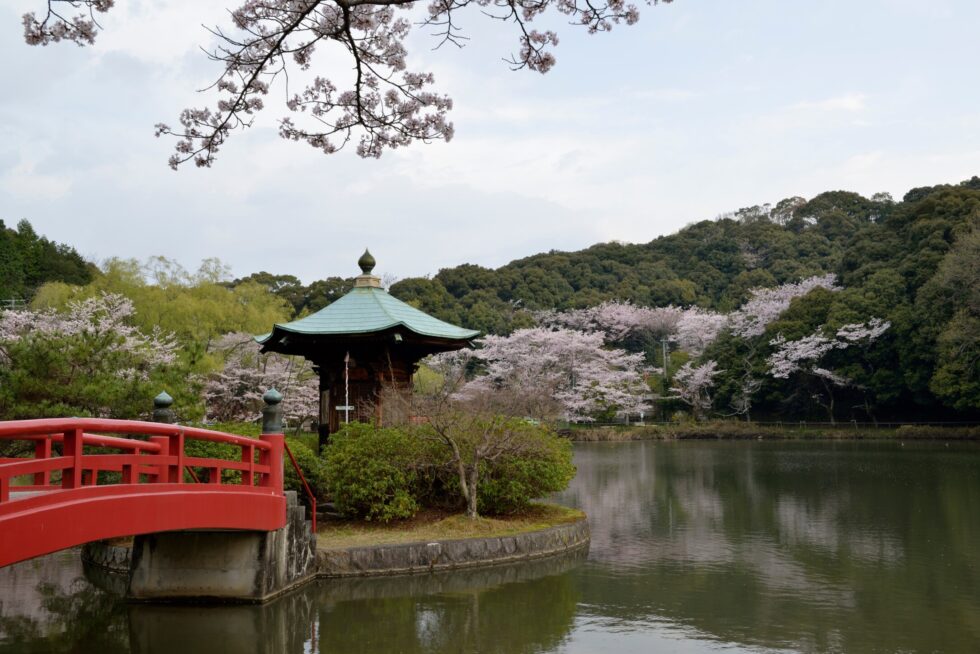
column 84, row 479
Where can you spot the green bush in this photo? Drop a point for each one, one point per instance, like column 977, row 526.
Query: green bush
column 210, row 450
column 371, row 473
column 510, row 484
column 314, row 471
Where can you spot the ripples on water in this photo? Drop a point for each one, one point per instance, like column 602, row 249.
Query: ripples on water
column 696, row 547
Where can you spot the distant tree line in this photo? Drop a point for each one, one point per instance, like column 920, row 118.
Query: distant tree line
column 28, row 261
column 840, row 307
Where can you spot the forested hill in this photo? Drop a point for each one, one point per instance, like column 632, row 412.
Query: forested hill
column 714, row 263
column 27, row 261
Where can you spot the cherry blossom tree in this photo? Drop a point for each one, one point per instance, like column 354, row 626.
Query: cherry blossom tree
column 103, row 321
column 234, row 393
column 545, row 373
column 803, row 356
column 693, row 384
column 88, row 360
column 765, row 305
column 622, row 323
column 617, row 321
column 697, row 329
column 384, row 105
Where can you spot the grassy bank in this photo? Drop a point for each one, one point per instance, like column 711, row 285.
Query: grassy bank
column 729, row 429
column 430, row 526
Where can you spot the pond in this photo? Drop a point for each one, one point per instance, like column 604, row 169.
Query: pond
column 696, row 547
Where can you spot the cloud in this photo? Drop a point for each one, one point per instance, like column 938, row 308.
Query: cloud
column 850, row 102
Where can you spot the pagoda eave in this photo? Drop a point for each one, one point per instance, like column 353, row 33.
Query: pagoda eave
column 318, row 346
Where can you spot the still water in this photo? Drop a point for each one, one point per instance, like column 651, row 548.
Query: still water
column 696, row 547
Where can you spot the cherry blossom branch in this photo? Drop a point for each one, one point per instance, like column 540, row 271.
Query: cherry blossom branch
column 387, row 107
column 55, row 27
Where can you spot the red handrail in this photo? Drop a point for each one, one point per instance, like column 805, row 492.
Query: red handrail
column 302, row 478
column 161, row 459
column 18, row 429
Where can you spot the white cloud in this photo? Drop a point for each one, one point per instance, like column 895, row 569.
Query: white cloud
column 850, row 102
column 24, row 182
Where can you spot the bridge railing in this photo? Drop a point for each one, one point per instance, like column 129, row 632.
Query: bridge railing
column 159, row 458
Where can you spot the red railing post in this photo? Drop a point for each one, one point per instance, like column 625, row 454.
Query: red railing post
column 248, row 456
column 272, row 457
column 42, row 450
column 160, row 476
column 71, row 477
column 272, row 434
column 176, row 471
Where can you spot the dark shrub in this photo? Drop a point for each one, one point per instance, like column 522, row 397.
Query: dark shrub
column 509, row 484
column 372, row 472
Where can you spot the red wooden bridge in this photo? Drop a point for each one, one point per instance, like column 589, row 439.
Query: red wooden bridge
column 89, row 479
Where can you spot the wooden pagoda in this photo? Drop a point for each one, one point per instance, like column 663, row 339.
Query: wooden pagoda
column 361, row 344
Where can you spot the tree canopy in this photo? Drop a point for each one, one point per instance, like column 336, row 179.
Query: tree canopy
column 28, row 261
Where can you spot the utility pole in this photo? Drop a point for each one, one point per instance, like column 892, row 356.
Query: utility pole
column 663, row 405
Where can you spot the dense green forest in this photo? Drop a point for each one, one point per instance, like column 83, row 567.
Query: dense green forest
column 913, row 263
column 714, row 263
column 27, row 261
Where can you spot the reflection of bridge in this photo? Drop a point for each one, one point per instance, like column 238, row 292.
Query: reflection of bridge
column 86, row 479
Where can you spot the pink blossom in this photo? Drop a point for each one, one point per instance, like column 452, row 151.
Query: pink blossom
column 766, row 304
column 571, row 368
column 692, row 384
column 103, row 319
column 804, row 354
column 386, row 106
column 235, row 391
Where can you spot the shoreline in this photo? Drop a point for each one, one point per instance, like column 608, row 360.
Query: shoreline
column 421, row 557
column 111, row 560
column 727, row 430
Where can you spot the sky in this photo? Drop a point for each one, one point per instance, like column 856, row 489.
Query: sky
column 701, row 108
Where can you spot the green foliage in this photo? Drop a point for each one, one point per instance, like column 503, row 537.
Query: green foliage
column 210, row 450
column 302, row 299
column 28, row 261
column 196, row 307
column 508, row 485
column 371, row 472
column 52, row 376
column 313, row 467
column 314, row 471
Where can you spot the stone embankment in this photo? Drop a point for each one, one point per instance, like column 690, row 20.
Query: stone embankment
column 415, row 558
column 375, row 560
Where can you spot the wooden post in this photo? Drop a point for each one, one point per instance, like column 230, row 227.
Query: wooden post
column 323, row 426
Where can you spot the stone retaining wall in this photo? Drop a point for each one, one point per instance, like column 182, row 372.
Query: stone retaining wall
column 415, row 558
column 395, row 559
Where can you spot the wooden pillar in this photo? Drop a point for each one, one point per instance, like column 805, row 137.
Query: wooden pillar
column 323, row 424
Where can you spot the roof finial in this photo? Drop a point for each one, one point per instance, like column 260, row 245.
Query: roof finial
column 366, row 262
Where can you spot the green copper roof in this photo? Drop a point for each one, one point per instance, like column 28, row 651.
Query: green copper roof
column 368, row 309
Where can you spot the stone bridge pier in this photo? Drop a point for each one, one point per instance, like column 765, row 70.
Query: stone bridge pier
column 213, row 566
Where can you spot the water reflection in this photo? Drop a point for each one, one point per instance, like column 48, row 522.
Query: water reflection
column 696, row 547
column 808, row 546
column 516, row 608
column 529, row 608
